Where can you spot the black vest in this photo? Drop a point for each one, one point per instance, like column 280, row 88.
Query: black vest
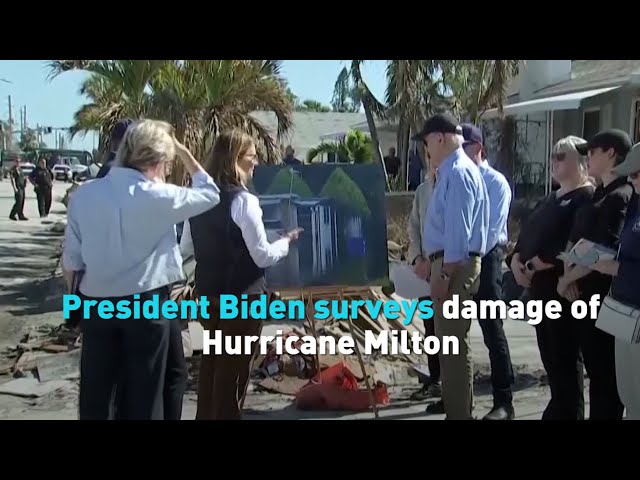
column 223, row 262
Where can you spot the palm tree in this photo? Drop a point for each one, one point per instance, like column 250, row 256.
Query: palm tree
column 356, row 147
column 199, row 98
column 372, row 109
column 477, row 85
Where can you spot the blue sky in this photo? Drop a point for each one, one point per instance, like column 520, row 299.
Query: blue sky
column 53, row 103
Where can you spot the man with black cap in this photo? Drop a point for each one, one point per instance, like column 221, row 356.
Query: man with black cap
column 116, row 137
column 499, row 194
column 455, row 240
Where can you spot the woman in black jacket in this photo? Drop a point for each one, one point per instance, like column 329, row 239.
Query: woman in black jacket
column 599, row 221
column 535, row 266
column 624, row 288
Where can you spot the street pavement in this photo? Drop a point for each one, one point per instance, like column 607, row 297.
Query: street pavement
column 30, row 295
column 27, row 262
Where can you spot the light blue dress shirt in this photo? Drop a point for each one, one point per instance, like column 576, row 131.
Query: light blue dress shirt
column 121, row 230
column 458, row 213
column 499, row 203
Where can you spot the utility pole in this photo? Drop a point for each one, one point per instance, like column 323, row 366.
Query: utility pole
column 25, row 117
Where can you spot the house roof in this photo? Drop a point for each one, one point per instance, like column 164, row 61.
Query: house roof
column 308, row 127
column 592, row 74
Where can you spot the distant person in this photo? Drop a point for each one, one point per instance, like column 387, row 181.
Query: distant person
column 415, row 170
column 289, row 157
column 116, row 137
column 392, row 163
column 19, row 183
column 42, row 181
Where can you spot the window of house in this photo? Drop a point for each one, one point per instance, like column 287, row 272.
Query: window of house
column 635, row 121
column 590, row 123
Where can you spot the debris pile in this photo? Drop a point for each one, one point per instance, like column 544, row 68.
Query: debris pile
column 43, row 362
column 298, row 375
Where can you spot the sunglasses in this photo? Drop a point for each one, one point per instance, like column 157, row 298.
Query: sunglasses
column 558, row 157
column 634, row 176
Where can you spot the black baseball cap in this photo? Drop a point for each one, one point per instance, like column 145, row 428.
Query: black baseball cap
column 618, row 140
column 439, row 123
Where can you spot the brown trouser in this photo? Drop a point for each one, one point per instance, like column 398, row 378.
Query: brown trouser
column 223, row 379
column 457, row 370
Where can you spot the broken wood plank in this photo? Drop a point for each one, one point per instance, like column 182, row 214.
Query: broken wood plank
column 55, row 348
column 63, row 366
column 30, row 387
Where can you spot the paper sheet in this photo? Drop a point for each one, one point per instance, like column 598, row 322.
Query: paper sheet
column 407, row 285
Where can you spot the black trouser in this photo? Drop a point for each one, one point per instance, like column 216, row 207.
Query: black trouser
column 175, row 380
column 598, row 351
column 560, row 353
column 18, row 206
column 43, row 194
column 433, row 361
column 502, row 376
column 130, row 350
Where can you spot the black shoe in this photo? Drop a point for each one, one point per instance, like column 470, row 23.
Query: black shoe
column 435, row 408
column 24, row 219
column 500, row 413
column 13, row 218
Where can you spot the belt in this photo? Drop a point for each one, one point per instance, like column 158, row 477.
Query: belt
column 440, row 253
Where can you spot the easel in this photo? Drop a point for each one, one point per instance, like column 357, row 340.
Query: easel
column 309, row 296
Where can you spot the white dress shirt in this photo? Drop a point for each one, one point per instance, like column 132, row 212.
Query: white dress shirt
column 247, row 215
column 121, row 231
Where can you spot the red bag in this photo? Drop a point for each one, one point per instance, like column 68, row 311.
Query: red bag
column 338, row 391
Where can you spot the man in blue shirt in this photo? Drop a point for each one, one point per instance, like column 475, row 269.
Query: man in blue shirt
column 455, row 239
column 491, row 275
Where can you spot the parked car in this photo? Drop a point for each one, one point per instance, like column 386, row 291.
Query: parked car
column 27, row 168
column 62, row 171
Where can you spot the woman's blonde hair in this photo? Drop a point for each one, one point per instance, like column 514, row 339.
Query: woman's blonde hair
column 568, row 145
column 222, row 163
column 146, row 144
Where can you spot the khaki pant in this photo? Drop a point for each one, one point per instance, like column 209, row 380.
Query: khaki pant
column 628, row 377
column 457, row 370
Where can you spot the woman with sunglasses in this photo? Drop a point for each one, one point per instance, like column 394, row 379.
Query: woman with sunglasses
column 625, row 271
column 599, row 221
column 543, row 236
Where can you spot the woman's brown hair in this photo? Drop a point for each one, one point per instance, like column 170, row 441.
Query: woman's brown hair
column 222, row 163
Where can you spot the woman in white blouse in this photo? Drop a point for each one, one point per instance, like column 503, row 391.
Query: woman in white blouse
column 231, row 252
column 121, row 235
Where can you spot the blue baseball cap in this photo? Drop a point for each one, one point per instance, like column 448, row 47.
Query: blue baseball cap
column 472, row 134
column 120, row 128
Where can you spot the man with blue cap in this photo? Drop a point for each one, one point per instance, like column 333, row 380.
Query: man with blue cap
column 491, row 274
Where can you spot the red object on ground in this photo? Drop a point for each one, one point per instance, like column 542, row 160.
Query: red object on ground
column 338, row 391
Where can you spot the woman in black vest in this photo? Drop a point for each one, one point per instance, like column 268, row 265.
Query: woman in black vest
column 599, row 221
column 231, row 252
column 544, row 235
